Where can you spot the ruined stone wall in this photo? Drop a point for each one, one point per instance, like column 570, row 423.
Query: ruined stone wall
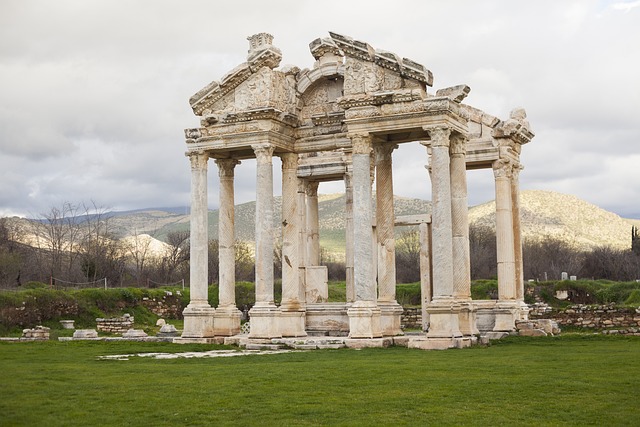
column 115, row 325
column 610, row 317
column 411, row 318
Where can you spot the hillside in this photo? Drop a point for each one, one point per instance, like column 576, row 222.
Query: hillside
column 544, row 214
column 565, row 217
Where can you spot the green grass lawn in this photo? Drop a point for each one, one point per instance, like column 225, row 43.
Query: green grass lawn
column 567, row 380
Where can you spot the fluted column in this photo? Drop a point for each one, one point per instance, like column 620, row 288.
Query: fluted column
column 364, row 314
column 292, row 308
column 349, row 250
column 385, row 224
column 460, row 235
column 443, row 309
column 198, row 315
column 460, row 220
column 264, row 314
column 507, row 308
column 199, row 239
column 313, row 235
column 227, row 316
column 517, row 231
column 504, row 231
column 390, row 310
column 226, row 233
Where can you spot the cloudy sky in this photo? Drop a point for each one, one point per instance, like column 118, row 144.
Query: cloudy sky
column 94, row 94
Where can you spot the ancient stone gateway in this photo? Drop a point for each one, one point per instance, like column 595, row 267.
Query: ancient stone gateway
column 342, row 120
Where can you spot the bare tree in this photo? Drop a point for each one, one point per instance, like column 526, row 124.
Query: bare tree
column 408, row 257
column 482, row 252
column 176, row 253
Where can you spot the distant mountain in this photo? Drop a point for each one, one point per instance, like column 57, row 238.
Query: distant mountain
column 543, row 213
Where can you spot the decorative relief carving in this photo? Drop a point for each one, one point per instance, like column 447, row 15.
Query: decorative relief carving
column 226, row 167
column 455, row 93
column 439, row 136
column 193, row 133
column 263, row 152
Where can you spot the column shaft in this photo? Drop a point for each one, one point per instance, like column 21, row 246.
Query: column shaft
column 385, row 221
column 313, row 235
column 226, row 234
column 441, row 215
column 364, row 282
column 199, row 239
column 351, row 295
column 290, row 232
column 504, row 231
column 264, row 225
column 517, row 232
column 460, row 220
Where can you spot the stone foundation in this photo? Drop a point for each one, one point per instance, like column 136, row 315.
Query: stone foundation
column 37, row 333
column 116, row 325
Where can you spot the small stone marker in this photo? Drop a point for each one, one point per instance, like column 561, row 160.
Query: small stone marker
column 565, row 276
column 134, row 333
column 168, row 330
column 160, row 322
column 67, row 324
column 86, row 334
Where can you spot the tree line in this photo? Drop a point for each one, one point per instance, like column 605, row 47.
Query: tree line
column 75, row 244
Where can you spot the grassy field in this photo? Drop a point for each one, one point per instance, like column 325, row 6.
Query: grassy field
column 567, row 380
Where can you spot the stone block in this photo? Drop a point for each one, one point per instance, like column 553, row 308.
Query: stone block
column 85, row 334
column 532, row 333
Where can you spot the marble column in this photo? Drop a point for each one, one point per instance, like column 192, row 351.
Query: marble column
column 517, row 241
column 348, row 184
column 425, row 271
column 364, row 314
column 460, row 235
column 313, row 225
column 292, row 310
column 198, row 315
column 506, row 307
column 391, row 311
column 264, row 315
column 302, row 236
column 227, row 317
column 443, row 311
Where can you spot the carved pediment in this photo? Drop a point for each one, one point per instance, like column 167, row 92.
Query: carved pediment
column 369, row 70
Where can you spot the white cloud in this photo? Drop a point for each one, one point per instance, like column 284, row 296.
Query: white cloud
column 95, row 93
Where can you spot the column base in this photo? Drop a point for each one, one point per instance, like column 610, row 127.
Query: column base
column 227, row 321
column 506, row 314
column 198, row 322
column 467, row 319
column 292, row 322
column 524, row 311
column 444, row 319
column 265, row 322
column 390, row 318
column 364, row 320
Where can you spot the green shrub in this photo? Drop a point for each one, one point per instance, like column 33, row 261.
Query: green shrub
column 634, row 298
column 35, row 285
column 408, row 294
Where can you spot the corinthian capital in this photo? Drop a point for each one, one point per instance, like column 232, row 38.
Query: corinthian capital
column 263, row 152
column 312, row 188
column 289, row 160
column 361, row 143
column 458, row 144
column 383, row 152
column 198, row 160
column 439, row 136
column 226, row 167
column 502, row 168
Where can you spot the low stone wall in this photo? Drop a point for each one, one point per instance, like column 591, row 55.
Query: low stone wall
column 411, row 318
column 116, row 325
column 596, row 317
column 168, row 307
